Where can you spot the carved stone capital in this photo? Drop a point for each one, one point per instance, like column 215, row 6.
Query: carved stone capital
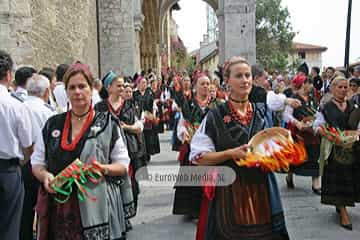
column 138, row 22
column 242, row 7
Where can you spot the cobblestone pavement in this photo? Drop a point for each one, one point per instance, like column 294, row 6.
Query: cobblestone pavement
column 306, row 218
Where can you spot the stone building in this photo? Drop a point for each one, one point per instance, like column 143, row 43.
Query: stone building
column 120, row 35
column 311, row 54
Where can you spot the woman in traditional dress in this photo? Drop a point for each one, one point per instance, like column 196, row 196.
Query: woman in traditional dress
column 187, row 200
column 82, row 133
column 183, row 93
column 250, row 207
column 341, row 171
column 124, row 111
column 158, row 108
column 144, row 100
column 299, row 122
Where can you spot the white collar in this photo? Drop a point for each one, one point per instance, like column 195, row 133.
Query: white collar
column 3, row 89
column 21, row 90
column 35, row 99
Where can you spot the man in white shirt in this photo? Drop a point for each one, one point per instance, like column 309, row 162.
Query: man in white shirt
column 59, row 90
column 22, row 75
column 38, row 88
column 16, row 147
column 40, row 111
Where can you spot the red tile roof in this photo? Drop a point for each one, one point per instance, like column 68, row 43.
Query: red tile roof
column 308, row 47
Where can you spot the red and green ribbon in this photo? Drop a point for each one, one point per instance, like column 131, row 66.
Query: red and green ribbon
column 333, row 134
column 77, row 174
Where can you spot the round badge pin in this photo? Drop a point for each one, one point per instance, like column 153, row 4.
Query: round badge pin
column 55, row 133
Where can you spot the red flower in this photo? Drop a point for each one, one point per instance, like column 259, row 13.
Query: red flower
column 227, row 119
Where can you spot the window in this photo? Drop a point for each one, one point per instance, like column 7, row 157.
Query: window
column 302, row 55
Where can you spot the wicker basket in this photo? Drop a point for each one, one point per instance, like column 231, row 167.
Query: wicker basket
column 267, row 137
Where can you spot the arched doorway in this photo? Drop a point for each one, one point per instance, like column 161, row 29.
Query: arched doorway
column 150, row 36
column 129, row 43
column 153, row 44
column 166, row 16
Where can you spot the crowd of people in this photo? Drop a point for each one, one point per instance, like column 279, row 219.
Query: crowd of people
column 52, row 117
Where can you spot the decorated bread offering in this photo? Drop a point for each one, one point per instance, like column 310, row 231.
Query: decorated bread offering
column 76, row 175
column 273, row 149
column 344, row 138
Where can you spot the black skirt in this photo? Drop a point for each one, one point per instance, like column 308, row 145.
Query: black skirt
column 187, row 200
column 340, row 183
column 152, row 142
column 311, row 166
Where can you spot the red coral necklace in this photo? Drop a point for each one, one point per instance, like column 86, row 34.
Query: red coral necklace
column 243, row 119
column 65, row 136
column 203, row 103
column 111, row 109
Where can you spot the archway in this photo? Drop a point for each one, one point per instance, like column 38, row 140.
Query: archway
column 121, row 28
column 165, row 7
column 150, row 36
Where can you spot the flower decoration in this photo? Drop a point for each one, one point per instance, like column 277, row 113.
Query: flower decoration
column 95, row 129
column 227, row 119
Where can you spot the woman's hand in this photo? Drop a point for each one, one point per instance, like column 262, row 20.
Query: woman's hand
column 186, row 137
column 47, row 180
column 103, row 168
column 292, row 102
column 299, row 125
column 130, row 128
column 124, row 126
column 239, row 152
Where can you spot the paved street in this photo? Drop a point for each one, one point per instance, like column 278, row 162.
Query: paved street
column 306, row 218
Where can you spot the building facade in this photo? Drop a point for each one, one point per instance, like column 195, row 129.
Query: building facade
column 120, row 35
column 303, row 52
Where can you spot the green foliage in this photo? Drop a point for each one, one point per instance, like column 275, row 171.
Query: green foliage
column 274, row 34
column 292, row 67
column 178, row 54
column 191, row 64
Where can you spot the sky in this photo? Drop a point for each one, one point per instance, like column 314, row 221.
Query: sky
column 318, row 22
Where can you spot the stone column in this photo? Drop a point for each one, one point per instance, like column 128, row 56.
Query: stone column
column 117, row 38
column 221, row 23
column 138, row 25
column 239, row 29
column 15, row 27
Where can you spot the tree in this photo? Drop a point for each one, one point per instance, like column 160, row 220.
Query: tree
column 274, row 34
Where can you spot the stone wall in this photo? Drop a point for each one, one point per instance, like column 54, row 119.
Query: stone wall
column 15, row 27
column 50, row 32
column 117, row 36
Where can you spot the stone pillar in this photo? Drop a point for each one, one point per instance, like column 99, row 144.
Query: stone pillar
column 221, row 23
column 117, row 38
column 138, row 25
column 15, row 27
column 238, row 29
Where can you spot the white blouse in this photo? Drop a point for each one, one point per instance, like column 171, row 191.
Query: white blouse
column 201, row 143
column 275, row 102
column 119, row 153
